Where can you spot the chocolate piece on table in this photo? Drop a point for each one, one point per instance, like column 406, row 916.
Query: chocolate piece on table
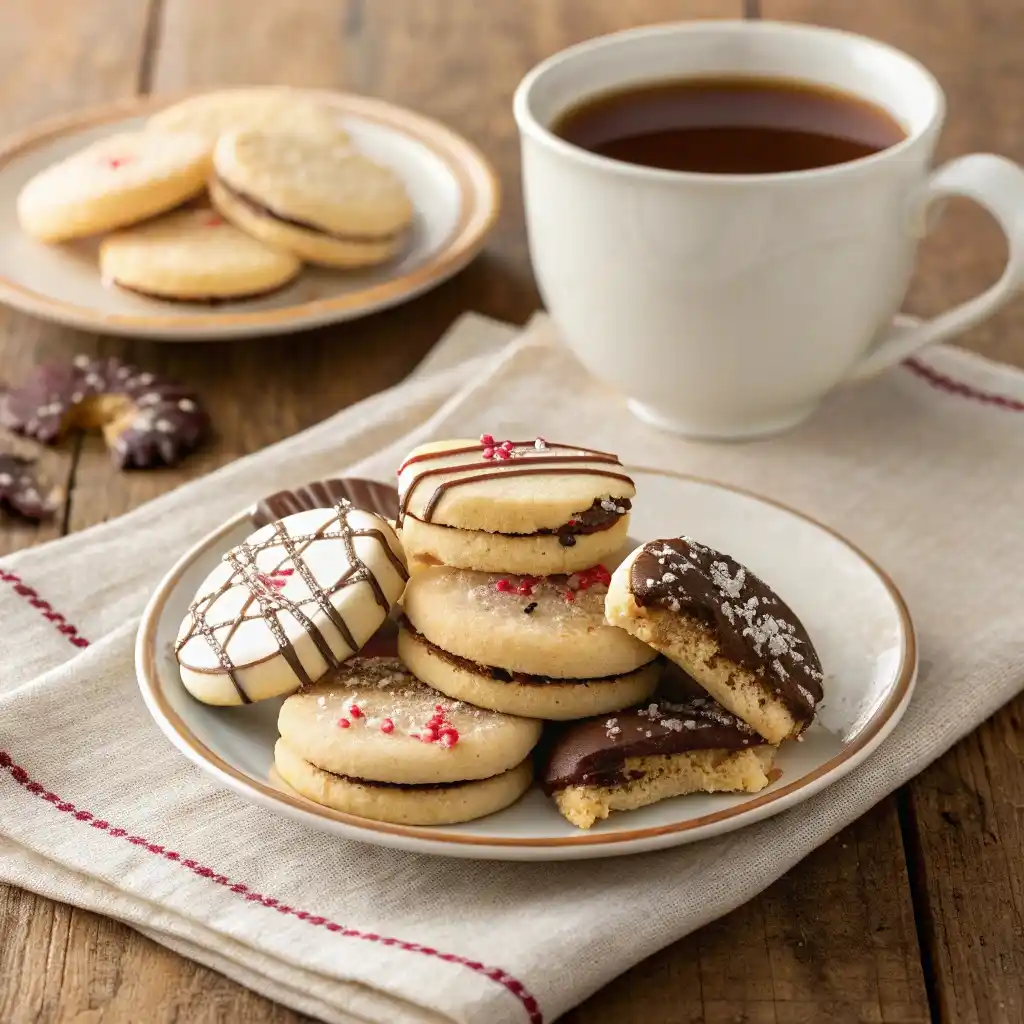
column 369, row 495
column 23, row 491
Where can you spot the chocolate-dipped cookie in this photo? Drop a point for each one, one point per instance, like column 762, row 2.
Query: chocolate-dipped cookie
column 643, row 755
column 725, row 627
column 369, row 495
column 146, row 420
column 531, row 507
column 523, row 645
column 23, row 491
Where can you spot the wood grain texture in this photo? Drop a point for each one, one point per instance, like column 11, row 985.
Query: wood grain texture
column 834, row 940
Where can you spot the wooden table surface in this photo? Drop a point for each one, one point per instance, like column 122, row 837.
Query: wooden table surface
column 913, row 914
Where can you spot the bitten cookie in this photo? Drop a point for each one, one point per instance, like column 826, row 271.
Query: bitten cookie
column 295, row 599
column 644, row 755
column 312, row 196
column 194, row 256
column 725, row 627
column 374, row 741
column 146, row 420
column 267, row 108
column 531, row 507
column 524, row 646
column 116, row 181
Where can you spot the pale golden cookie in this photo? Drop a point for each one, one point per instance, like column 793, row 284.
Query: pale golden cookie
column 194, row 255
column 295, row 599
column 268, row 108
column 723, row 626
column 116, row 181
column 314, row 196
column 373, row 720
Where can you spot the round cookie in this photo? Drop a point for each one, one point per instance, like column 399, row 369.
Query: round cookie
column 533, row 647
column 312, row 196
column 445, row 804
column 116, row 181
column 366, row 494
column 295, row 599
column 531, row 507
column 373, row 720
column 725, row 627
column 194, row 256
column 146, row 420
column 268, row 108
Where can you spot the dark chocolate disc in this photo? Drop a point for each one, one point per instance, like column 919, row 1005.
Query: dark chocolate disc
column 368, row 495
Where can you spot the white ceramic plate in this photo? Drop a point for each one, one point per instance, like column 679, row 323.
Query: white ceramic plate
column 453, row 188
column 853, row 612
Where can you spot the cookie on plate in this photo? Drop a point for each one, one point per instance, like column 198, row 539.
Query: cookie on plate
column 531, row 507
column 294, row 600
column 268, row 108
column 524, row 646
column 118, row 180
column 146, row 420
column 725, row 627
column 312, row 196
column 194, row 256
column 644, row 755
column 372, row 740
column 370, row 495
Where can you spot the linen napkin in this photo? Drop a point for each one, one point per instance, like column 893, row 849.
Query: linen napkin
column 920, row 467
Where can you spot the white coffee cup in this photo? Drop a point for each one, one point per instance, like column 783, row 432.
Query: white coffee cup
column 727, row 306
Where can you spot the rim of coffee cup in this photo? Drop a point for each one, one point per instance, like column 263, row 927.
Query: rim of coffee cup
column 531, row 125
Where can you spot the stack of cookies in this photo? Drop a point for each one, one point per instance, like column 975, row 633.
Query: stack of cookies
column 286, row 184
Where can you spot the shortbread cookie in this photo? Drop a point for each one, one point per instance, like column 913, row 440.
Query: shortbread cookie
column 312, row 196
column 372, row 740
column 116, row 181
column 526, row 646
column 194, row 256
column 295, row 599
column 644, row 755
column 725, row 627
column 370, row 495
column 266, row 108
column 531, row 507
column 146, row 420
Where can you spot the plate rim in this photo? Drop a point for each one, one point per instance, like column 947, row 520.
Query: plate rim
column 479, row 191
column 769, row 802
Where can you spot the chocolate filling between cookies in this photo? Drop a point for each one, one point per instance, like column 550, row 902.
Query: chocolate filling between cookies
column 203, row 300
column 262, row 210
column 501, row 675
column 375, row 783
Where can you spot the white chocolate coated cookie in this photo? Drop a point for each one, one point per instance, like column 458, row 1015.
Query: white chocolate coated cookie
column 116, row 181
column 552, row 627
column 295, row 599
column 403, row 805
column 532, row 697
column 373, row 720
column 269, row 108
column 511, row 487
column 194, row 255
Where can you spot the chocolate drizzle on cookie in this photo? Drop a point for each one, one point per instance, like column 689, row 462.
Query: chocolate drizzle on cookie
column 594, row 752
column 369, row 495
column 750, row 623
column 524, row 459
column 268, row 601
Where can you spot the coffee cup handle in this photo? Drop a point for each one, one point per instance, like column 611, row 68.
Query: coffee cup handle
column 995, row 183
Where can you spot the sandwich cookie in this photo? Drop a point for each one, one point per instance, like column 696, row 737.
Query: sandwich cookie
column 530, row 507
column 644, row 755
column 723, row 626
column 146, row 420
column 116, row 181
column 194, row 256
column 372, row 740
column 296, row 599
column 523, row 645
column 268, row 108
column 312, row 196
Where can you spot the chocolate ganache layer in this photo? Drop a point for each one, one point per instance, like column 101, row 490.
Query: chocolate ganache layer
column 499, row 675
column 593, row 752
column 263, row 210
column 751, row 624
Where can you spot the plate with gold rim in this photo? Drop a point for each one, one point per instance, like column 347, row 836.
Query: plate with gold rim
column 454, row 190
column 854, row 614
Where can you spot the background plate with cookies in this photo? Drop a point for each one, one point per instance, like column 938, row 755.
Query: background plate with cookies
column 452, row 196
